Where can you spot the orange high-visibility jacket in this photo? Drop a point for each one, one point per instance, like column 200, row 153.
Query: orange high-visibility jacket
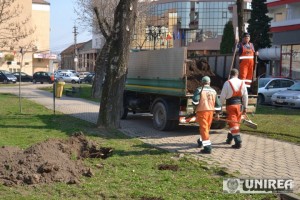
column 246, row 52
column 208, row 99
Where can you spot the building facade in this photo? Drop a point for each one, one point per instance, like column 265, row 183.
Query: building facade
column 42, row 58
column 85, row 60
column 197, row 25
column 285, row 28
column 31, row 53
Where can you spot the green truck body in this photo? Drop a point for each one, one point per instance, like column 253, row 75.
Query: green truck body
column 157, row 83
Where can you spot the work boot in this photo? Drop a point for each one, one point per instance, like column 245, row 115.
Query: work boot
column 238, row 142
column 200, row 145
column 229, row 138
column 206, row 149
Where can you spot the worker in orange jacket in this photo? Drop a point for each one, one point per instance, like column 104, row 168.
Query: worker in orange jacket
column 206, row 101
column 235, row 93
column 246, row 56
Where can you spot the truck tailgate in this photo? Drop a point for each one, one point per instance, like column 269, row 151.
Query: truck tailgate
column 161, row 71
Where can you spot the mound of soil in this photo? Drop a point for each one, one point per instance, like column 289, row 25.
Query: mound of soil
column 54, row 160
column 168, row 167
column 151, row 198
column 196, row 69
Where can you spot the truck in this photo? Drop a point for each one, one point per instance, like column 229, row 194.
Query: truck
column 159, row 81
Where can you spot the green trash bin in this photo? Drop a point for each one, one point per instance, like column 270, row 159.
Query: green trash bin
column 59, row 89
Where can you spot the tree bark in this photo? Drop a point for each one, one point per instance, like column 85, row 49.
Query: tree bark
column 116, row 67
column 100, row 70
column 240, row 15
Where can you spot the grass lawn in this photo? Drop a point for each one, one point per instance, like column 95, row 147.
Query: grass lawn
column 85, row 90
column 130, row 173
column 276, row 122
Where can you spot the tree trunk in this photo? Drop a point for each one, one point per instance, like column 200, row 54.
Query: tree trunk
column 240, row 15
column 100, row 69
column 112, row 94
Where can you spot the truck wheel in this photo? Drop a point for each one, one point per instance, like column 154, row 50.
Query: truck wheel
column 218, row 125
column 160, row 121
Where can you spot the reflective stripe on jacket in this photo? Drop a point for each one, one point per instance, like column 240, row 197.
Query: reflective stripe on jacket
column 247, row 52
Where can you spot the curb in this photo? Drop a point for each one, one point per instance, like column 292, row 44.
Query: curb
column 289, row 196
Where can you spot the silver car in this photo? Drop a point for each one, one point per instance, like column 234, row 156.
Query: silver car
column 289, row 97
column 68, row 77
column 268, row 86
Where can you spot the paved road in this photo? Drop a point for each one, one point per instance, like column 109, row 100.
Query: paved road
column 258, row 158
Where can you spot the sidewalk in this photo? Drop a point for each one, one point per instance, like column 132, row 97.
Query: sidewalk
column 258, row 158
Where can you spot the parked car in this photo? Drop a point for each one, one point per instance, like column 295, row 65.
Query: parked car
column 89, row 78
column 82, row 75
column 289, row 97
column 67, row 70
column 7, row 77
column 68, row 77
column 268, row 86
column 24, row 77
column 42, row 77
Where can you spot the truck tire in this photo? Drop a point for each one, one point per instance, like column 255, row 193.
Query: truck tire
column 218, row 125
column 160, row 121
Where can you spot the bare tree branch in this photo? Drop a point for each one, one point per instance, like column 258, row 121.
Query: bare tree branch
column 85, row 11
column 12, row 25
column 101, row 24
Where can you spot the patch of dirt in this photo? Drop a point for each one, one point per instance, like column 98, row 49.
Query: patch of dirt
column 54, row 160
column 196, row 69
column 151, row 198
column 168, row 167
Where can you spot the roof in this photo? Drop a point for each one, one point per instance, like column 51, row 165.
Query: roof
column 40, row 2
column 70, row 49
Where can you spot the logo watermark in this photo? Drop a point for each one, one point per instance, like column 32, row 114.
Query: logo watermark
column 252, row 186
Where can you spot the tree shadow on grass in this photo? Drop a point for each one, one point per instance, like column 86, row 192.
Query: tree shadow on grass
column 47, row 122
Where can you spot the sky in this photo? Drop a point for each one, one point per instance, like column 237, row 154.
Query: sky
column 62, row 21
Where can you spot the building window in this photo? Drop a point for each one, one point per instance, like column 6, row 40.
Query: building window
column 296, row 62
column 278, row 17
column 224, row 14
column 185, row 21
column 290, row 61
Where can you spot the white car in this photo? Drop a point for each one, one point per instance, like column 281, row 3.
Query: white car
column 268, row 86
column 82, row 75
column 289, row 97
column 67, row 70
column 67, row 77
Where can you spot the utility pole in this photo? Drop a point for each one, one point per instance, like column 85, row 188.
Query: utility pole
column 75, row 48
